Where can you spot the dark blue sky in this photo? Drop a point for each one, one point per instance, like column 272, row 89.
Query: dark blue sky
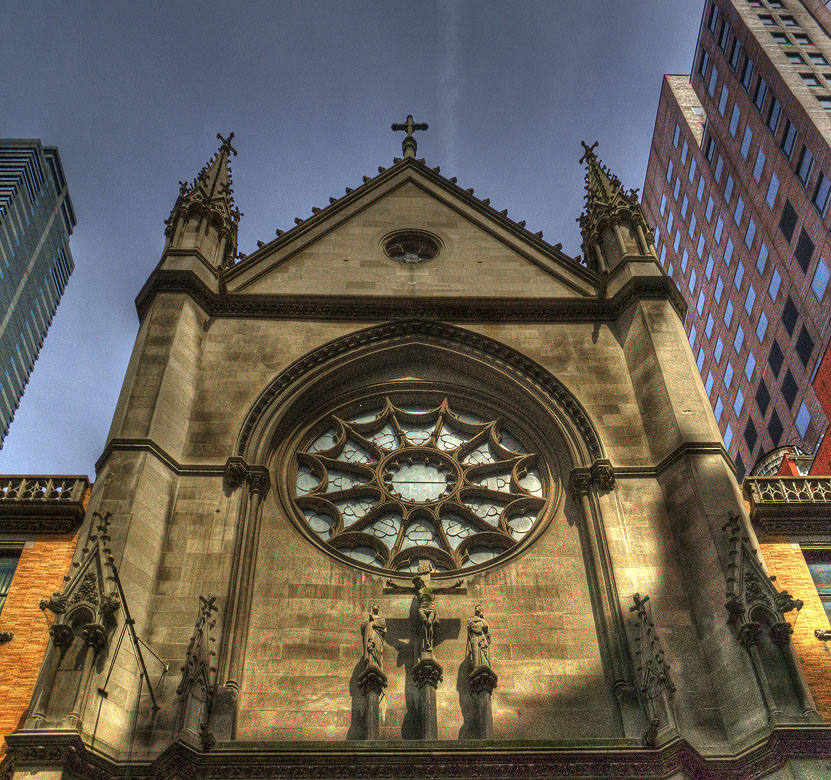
column 134, row 94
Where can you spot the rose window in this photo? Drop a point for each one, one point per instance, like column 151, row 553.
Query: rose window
column 404, row 483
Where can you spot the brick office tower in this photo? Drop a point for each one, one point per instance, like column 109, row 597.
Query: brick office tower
column 408, row 492
column 738, row 187
column 36, row 220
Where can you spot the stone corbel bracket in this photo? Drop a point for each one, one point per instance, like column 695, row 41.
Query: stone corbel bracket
column 600, row 475
column 238, row 473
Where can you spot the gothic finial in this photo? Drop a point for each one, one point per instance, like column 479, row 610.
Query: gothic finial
column 588, row 150
column 409, row 145
column 226, row 144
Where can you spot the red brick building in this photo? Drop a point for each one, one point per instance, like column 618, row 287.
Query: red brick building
column 39, row 520
column 737, row 186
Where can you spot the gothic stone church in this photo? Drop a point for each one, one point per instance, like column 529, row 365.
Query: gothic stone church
column 409, row 492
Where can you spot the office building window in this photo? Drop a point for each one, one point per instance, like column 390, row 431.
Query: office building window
column 676, row 188
column 795, row 58
column 734, row 120
column 804, row 251
column 774, row 114
column 762, row 260
column 663, row 205
column 691, row 337
column 684, row 206
column 735, row 53
column 722, row 101
column 676, row 135
column 728, row 189
column 817, row 58
column 700, row 359
column 788, row 138
column 691, row 229
column 747, row 139
column 821, row 191
column 775, row 359
column 684, row 151
column 761, row 327
column 750, row 233
column 738, row 403
column 790, row 315
column 712, row 22
column 708, row 328
column 718, row 350
column 775, row 428
column 711, row 87
column 728, row 375
column 718, row 169
column 724, row 36
column 693, row 166
column 759, row 165
column 719, row 289
column 824, row 101
column 669, row 223
column 787, row 222
column 780, row 38
column 747, row 74
column 709, row 269
column 762, row 397
column 728, row 436
column 802, row 39
column 750, row 435
column 804, row 346
column 692, row 280
column 708, row 385
column 773, row 189
column 738, row 340
column 806, row 163
column 739, row 212
column 728, row 313
column 749, row 300
column 803, row 420
column 749, row 366
column 819, row 564
column 760, row 94
column 739, row 277
column 810, row 79
column 700, row 191
column 789, row 388
column 700, row 247
column 708, row 212
column 718, row 409
column 719, row 228
column 684, row 260
column 767, row 20
column 669, row 172
column 709, row 148
column 819, row 284
column 676, row 241
column 8, row 564
column 728, row 252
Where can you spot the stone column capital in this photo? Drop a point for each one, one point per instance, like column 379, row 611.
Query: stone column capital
column 95, row 636
column 482, row 678
column 258, row 480
column 372, row 680
column 62, row 635
column 428, row 672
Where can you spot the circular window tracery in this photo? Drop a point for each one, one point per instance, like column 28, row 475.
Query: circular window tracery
column 407, row 482
column 411, row 246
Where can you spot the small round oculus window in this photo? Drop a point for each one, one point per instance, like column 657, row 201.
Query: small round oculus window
column 411, row 247
column 406, row 483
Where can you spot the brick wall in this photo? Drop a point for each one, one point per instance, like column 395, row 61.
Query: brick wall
column 784, row 559
column 39, row 573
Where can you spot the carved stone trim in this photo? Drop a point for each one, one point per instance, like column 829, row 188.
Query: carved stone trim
column 368, row 308
column 236, row 472
column 482, row 679
column 258, row 480
column 336, row 761
column 601, row 475
column 428, row 672
column 62, row 635
column 95, row 636
column 372, row 680
column 6, row 636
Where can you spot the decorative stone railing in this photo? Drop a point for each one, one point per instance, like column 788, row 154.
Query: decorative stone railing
column 42, row 503
column 794, row 505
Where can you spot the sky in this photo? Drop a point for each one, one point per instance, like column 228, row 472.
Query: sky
column 133, row 95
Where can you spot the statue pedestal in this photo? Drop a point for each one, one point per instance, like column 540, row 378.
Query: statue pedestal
column 372, row 682
column 427, row 674
column 482, row 682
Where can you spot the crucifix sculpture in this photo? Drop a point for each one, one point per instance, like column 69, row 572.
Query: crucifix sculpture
column 409, row 145
column 427, row 672
column 226, row 143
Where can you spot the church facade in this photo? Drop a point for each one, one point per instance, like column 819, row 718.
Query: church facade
column 409, row 492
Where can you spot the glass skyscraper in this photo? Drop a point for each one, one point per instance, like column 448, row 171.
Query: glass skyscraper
column 36, row 220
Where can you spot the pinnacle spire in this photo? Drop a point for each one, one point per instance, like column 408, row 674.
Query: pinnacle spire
column 601, row 183
column 210, row 197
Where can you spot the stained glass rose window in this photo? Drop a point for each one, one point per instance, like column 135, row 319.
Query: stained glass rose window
column 407, row 481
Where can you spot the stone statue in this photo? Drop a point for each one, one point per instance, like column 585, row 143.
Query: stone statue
column 372, row 632
column 478, row 639
column 425, row 595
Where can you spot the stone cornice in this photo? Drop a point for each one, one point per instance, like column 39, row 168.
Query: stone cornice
column 148, row 445
column 42, row 504
column 408, row 761
column 368, row 308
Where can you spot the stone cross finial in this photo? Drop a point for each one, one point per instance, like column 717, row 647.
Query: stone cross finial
column 226, row 143
column 589, row 150
column 409, row 145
